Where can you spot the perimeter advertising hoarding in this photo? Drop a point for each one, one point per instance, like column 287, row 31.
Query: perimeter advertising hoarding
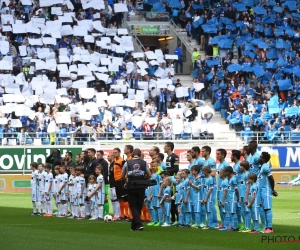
column 19, row 159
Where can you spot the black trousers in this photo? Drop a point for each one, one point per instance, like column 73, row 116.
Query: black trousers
column 136, row 201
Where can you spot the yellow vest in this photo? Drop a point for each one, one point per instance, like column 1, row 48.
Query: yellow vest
column 195, row 55
column 215, row 51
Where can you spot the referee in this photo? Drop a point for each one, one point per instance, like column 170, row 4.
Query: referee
column 136, row 171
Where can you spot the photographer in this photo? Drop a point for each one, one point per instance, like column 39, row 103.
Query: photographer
column 55, row 159
column 137, row 172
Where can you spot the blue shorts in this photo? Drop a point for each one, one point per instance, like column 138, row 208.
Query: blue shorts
column 227, row 208
column 232, row 207
column 197, row 207
column 254, row 213
column 167, row 208
column 155, row 202
column 179, row 207
column 266, row 201
column 186, row 207
column 222, row 209
column 209, row 206
column 148, row 204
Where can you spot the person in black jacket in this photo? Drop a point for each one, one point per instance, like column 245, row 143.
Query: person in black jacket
column 55, row 159
column 172, row 163
column 89, row 168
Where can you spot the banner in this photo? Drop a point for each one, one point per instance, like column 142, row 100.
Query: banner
column 19, row 159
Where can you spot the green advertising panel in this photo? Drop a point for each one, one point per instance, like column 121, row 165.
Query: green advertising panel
column 19, row 159
column 150, row 30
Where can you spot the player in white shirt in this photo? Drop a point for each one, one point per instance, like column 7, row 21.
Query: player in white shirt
column 70, row 191
column 92, row 195
column 63, row 184
column 56, row 188
column 42, row 177
column 34, row 187
column 100, row 191
column 49, row 187
column 80, row 192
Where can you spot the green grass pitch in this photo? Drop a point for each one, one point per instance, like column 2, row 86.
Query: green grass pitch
column 19, row 230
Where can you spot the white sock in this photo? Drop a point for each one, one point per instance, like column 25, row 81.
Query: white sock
column 116, row 208
column 96, row 211
column 65, row 209
column 100, row 212
column 39, row 206
column 50, row 207
column 72, row 208
column 34, row 206
column 88, row 208
column 76, row 211
column 82, row 211
column 59, row 207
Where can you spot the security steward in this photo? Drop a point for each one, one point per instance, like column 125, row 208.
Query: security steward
column 137, row 173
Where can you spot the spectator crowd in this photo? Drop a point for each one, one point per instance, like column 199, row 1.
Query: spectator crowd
column 251, row 69
column 69, row 75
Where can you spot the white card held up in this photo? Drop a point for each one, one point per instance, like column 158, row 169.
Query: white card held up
column 79, row 84
column 198, row 86
column 120, row 7
column 181, row 92
column 150, row 55
column 87, row 93
column 171, row 57
column 122, row 32
column 171, row 87
column 101, row 96
column 138, row 55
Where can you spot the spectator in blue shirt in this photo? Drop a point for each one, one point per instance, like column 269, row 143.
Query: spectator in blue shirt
column 178, row 52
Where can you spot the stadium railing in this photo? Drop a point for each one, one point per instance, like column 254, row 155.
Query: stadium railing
column 79, row 138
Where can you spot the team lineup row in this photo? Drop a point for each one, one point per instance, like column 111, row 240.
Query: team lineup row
column 186, row 198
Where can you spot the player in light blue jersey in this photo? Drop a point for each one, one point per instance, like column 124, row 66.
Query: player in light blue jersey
column 49, row 189
column 207, row 196
column 266, row 188
column 221, row 155
column 190, row 159
column 154, row 196
column 235, row 158
column 232, row 197
column 186, row 201
column 242, row 182
column 246, row 153
column 254, row 202
column 222, row 201
column 34, row 186
column 254, row 167
column 195, row 151
column 210, row 162
column 162, row 165
column 166, row 202
column 196, row 194
column 179, row 200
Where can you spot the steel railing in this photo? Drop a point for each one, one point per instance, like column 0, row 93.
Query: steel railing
column 78, row 138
